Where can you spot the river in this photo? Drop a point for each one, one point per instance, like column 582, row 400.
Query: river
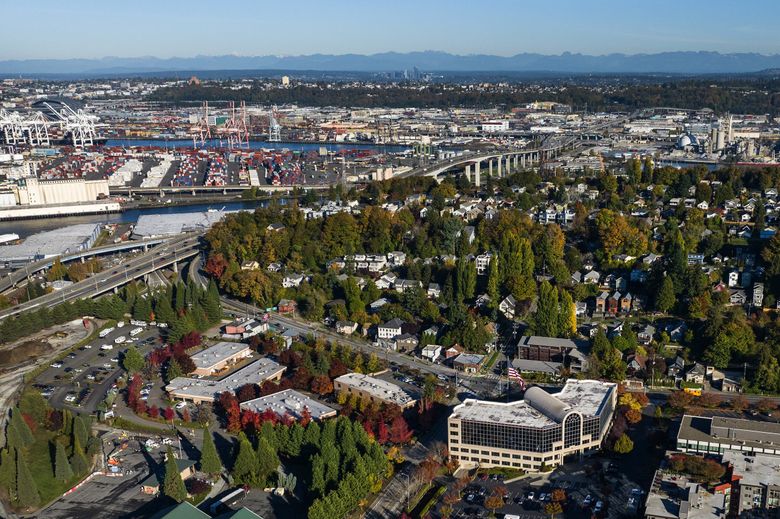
column 25, row 228
column 256, row 145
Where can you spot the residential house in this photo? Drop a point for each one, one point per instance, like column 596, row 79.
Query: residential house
column 390, row 329
column 696, row 373
column 468, row 362
column 431, row 352
column 482, row 262
column 377, row 305
column 626, row 303
column 635, row 365
column 293, row 280
column 287, row 306
column 737, row 296
column 453, row 351
column 250, row 265
column 601, row 302
column 346, row 327
column 646, row 334
column 676, row 368
column 406, row 342
column 402, row 285
column 758, row 294
column 613, row 303
column 508, row 307
column 434, row 290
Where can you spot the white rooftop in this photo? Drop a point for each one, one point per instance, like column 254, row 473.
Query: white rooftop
column 539, row 408
column 377, row 387
column 289, row 402
column 217, row 353
column 152, row 225
column 65, row 240
column 254, row 373
column 758, row 470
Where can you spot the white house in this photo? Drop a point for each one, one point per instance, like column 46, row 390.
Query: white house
column 390, row 329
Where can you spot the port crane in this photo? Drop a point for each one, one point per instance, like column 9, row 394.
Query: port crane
column 274, row 128
column 76, row 123
column 16, row 128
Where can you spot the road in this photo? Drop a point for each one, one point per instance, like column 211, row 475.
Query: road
column 163, row 255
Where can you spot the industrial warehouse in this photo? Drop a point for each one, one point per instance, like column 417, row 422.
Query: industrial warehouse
column 536, row 432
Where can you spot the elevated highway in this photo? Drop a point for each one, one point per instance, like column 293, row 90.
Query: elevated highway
column 26, row 270
column 167, row 254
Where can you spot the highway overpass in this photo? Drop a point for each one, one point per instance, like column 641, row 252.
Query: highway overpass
column 26, row 270
column 167, row 254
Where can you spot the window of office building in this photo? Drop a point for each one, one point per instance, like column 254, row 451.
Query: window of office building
column 571, row 430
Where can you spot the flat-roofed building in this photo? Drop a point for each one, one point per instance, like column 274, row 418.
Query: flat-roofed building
column 539, row 431
column 374, row 389
column 718, row 434
column 290, row 402
column 218, row 357
column 755, row 480
column 199, row 390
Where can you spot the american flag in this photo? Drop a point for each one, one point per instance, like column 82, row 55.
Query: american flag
column 513, row 374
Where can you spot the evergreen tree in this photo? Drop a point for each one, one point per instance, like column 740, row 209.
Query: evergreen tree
column 546, row 317
column 623, row 445
column 27, row 494
column 163, row 311
column 567, row 316
column 78, row 461
column 267, row 461
column 173, row 486
column 665, row 298
column 142, row 309
column 173, row 370
column 133, row 361
column 492, row 282
column 318, row 483
column 80, row 432
column 62, row 470
column 180, row 297
column 209, row 458
column 211, row 303
column 8, row 470
column 25, row 434
column 246, row 463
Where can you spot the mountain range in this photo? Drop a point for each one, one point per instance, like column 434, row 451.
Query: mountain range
column 686, row 63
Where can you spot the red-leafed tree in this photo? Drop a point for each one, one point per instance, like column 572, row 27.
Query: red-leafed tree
column 287, row 419
column 400, row 431
column 305, row 416
column 216, row 265
column 154, row 412
column 190, row 340
column 290, row 358
column 382, row 433
column 140, row 407
column 269, row 416
column 185, row 415
column 228, row 403
column 250, row 421
column 247, row 392
column 337, row 368
column 368, row 428
column 322, row 385
column 269, row 388
column 301, row 379
column 159, row 355
column 168, row 414
column 134, row 392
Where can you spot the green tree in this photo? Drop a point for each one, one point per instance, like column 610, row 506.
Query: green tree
column 57, row 271
column 80, row 431
column 623, row 445
column 546, row 317
column 142, row 309
column 567, row 314
column 173, row 486
column 173, row 370
column 267, row 461
column 62, row 470
column 209, row 458
column 493, row 282
column 27, row 494
column 133, row 361
column 78, row 461
column 8, row 470
column 22, row 430
column 665, row 299
column 245, row 466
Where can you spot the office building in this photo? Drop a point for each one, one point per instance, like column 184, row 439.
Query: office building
column 373, row 389
column 539, row 431
column 718, row 434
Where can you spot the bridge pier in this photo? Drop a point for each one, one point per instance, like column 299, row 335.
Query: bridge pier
column 476, row 174
column 468, row 172
column 176, row 267
column 508, row 165
column 499, row 174
column 490, row 167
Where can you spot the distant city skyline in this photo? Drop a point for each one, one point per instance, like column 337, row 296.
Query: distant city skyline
column 80, row 29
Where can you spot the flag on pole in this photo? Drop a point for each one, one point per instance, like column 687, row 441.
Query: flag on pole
column 513, row 374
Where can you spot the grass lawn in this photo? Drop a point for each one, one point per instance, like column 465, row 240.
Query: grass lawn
column 39, row 460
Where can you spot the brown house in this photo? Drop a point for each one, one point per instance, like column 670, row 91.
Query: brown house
column 287, row 306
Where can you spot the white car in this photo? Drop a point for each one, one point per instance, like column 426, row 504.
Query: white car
column 87, row 346
column 181, row 405
column 120, row 339
column 70, row 398
column 56, row 364
column 599, row 506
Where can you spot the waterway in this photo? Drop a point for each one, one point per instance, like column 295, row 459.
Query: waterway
column 256, row 145
column 25, row 228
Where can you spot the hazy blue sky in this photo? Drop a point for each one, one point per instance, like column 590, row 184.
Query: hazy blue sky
column 165, row 28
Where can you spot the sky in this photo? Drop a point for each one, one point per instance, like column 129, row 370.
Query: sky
column 166, row 28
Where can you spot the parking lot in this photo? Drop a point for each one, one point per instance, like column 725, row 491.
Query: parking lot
column 112, row 497
column 593, row 487
column 82, row 380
